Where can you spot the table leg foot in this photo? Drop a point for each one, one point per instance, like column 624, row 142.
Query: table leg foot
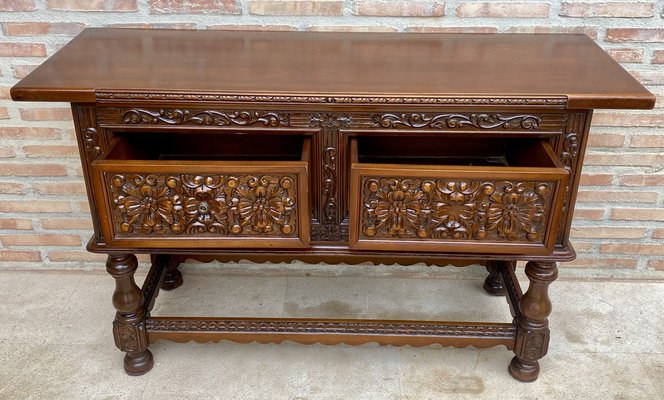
column 138, row 363
column 493, row 284
column 173, row 278
column 524, row 371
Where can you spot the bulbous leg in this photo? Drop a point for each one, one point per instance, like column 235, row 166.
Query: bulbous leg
column 532, row 339
column 173, row 278
column 129, row 325
column 493, row 284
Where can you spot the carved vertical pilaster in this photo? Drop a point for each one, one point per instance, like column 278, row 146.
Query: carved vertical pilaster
column 532, row 340
column 129, row 324
column 571, row 148
column 91, row 143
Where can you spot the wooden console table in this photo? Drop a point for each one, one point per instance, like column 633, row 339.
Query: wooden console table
column 338, row 148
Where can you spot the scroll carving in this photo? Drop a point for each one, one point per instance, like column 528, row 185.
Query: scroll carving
column 241, row 205
column 208, row 117
column 454, row 121
column 455, row 210
column 91, row 143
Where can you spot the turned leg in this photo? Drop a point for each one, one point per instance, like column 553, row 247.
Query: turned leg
column 493, row 284
column 532, row 339
column 129, row 325
column 173, row 278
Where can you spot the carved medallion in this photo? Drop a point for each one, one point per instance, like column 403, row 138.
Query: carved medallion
column 226, row 205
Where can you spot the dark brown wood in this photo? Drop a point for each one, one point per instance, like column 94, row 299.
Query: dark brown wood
column 569, row 68
column 336, row 148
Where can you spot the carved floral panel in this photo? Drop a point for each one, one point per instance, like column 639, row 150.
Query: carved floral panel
column 414, row 208
column 218, row 205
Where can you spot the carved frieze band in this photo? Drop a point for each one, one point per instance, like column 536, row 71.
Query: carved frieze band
column 333, row 327
column 222, row 205
column 177, row 116
column 402, row 208
column 456, row 121
column 560, row 102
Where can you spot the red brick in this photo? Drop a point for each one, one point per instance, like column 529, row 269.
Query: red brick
column 596, row 179
column 33, row 169
column 656, row 264
column 649, row 77
column 66, row 223
column 4, row 113
column 452, row 29
column 626, row 55
column 75, row 255
column 84, row 206
column 253, row 27
column 633, row 248
column 607, row 118
column 658, row 234
column 11, row 49
column 503, row 10
column 297, row 7
column 20, row 71
column 647, row 141
column 584, row 247
column 92, row 5
column 658, row 57
column 11, row 188
column 586, row 30
column 45, row 114
column 48, row 206
column 348, row 28
column 608, row 9
column 626, row 159
column 605, row 140
column 605, row 263
column 20, row 255
column 66, row 188
column 40, row 240
column 51, row 151
column 7, row 152
column 607, row 232
column 601, row 196
column 635, row 35
column 642, row 180
column 18, row 5
column 594, row 214
column 22, row 133
column 412, row 8
column 4, row 93
column 195, row 7
column 42, row 28
column 15, row 223
column 638, row 214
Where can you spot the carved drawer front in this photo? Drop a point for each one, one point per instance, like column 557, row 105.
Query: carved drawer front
column 204, row 191
column 489, row 195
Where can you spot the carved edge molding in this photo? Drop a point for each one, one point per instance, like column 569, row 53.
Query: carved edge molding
column 329, row 327
column 239, row 98
column 455, row 121
column 177, row 116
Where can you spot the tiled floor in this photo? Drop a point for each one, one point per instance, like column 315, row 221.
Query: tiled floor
column 56, row 343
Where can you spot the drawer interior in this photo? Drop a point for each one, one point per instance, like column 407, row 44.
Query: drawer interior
column 450, row 151
column 206, row 147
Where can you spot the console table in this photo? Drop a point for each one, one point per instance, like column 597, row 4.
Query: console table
column 333, row 147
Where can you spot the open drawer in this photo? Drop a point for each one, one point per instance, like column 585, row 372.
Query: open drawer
column 212, row 190
column 490, row 195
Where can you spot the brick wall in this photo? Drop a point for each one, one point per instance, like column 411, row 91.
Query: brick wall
column 619, row 226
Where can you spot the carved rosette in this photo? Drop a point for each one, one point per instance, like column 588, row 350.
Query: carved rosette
column 163, row 205
column 456, row 121
column 455, row 210
column 178, row 116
